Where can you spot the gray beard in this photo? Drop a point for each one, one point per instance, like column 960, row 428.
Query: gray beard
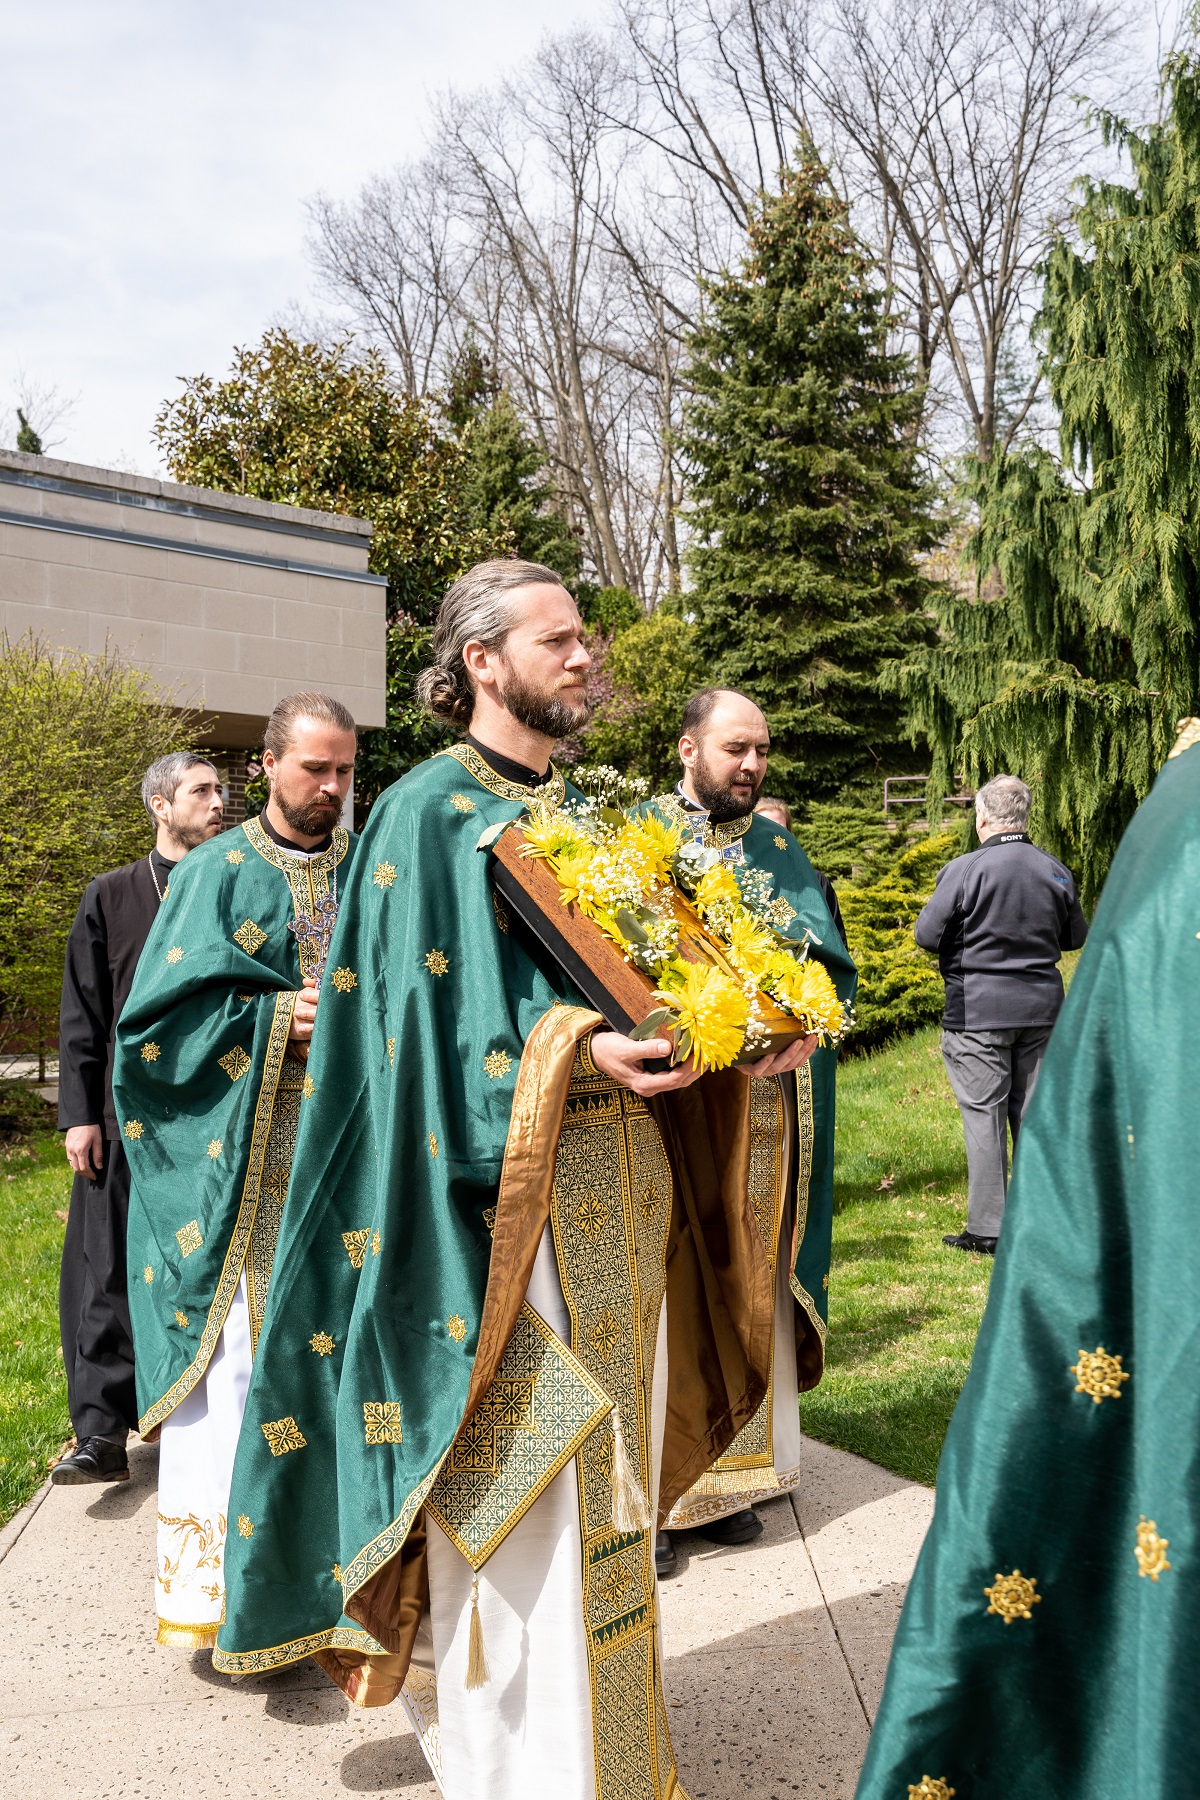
column 546, row 714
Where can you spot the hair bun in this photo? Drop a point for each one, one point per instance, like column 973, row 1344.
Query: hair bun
column 441, row 693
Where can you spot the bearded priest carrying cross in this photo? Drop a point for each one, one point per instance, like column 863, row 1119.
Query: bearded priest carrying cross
column 459, row 1418
column 209, row 1081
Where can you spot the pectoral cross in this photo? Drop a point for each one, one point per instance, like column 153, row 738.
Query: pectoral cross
column 313, row 933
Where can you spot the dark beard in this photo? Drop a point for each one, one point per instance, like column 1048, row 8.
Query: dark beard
column 313, row 820
column 188, row 836
column 721, row 803
column 548, row 714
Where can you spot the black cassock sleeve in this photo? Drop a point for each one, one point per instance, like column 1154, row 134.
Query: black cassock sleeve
column 85, row 1017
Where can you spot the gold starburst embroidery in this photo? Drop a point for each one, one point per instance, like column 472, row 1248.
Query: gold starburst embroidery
column 234, row 857
column 436, row 962
column 150, row 1052
column 283, row 1435
column 1099, row 1374
column 456, row 1327
column 391, row 1050
column 385, row 874
column 501, row 912
column 433, row 1145
column 780, row 842
column 188, row 1238
column 460, row 803
column 309, row 1088
column 1151, row 1549
column 1012, row 1596
column 321, row 1343
column 375, row 1240
column 235, row 1062
column 496, row 1064
column 605, row 1334
column 931, row 1787
column 489, row 1219
column 245, row 1525
column 251, row 937
column 343, row 980
column 134, row 1129
column 381, row 1422
column 175, row 953
column 336, row 1572
column 215, row 1148
column 356, row 1245
column 148, row 1275
column 182, row 1320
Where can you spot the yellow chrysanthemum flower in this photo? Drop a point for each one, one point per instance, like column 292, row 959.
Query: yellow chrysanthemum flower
column 809, row 994
column 552, row 835
column 713, row 1011
column 660, row 842
column 751, row 948
column 717, row 886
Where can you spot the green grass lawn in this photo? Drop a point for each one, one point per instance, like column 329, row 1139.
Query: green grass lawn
column 35, row 1184
column 903, row 1309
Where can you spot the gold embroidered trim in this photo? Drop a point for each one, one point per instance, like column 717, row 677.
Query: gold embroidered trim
column 553, row 791
column 304, row 878
column 250, row 937
column 260, row 1662
column 804, row 1132
column 235, row 1063
column 185, row 1637
column 235, row 1256
column 1012, row 1596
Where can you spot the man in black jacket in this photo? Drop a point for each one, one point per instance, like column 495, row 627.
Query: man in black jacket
column 182, row 794
column 1000, row 919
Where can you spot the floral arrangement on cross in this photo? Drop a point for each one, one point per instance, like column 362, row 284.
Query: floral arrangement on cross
column 721, row 989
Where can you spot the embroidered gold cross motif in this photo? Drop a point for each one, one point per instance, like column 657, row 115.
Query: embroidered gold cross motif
column 930, row 1787
column 150, row 1053
column 381, row 1422
column 591, row 1216
column 175, row 953
column 605, row 1334
column 385, row 874
column 356, row 1246
column 496, row 1064
column 507, row 1406
column 188, row 1238
column 134, row 1129
column 615, row 1586
column 251, row 937
column 1012, row 1596
column 245, row 1525
column 460, row 803
column 182, row 1320
column 343, row 980
column 235, row 1062
column 276, row 1184
column 234, row 857
column 215, row 1148
column 648, row 1204
column 1099, row 1374
column 780, row 842
column 456, row 1327
column 436, row 962
column 283, row 1435
column 321, row 1343
column 1151, row 1549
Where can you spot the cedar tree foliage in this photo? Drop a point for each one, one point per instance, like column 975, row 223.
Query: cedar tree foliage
column 1080, row 648
column 807, row 506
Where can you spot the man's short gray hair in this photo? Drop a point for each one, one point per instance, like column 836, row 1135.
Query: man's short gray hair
column 478, row 606
column 164, row 776
column 1006, row 801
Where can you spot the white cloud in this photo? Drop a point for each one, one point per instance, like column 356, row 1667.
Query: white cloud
column 158, row 157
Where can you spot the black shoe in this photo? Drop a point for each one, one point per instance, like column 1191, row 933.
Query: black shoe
column 737, row 1528
column 93, row 1460
column 666, row 1561
column 966, row 1240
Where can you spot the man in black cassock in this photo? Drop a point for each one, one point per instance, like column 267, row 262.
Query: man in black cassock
column 182, row 794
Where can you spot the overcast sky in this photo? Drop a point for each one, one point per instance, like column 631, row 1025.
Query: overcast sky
column 157, row 161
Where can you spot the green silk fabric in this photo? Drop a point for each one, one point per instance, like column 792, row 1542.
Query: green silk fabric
column 1091, row 1697
column 199, row 1049
column 382, row 1261
column 767, row 846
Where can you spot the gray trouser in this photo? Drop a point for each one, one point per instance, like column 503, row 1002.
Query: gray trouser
column 993, row 1074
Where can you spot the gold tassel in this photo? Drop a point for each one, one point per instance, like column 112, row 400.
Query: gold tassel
column 478, row 1673
column 630, row 1508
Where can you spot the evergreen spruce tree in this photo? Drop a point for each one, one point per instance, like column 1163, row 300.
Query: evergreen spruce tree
column 808, row 508
column 28, row 440
column 1079, row 650
column 505, row 490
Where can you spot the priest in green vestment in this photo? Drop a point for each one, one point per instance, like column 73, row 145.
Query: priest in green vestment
column 208, row 1082
column 1049, row 1640
column 724, row 747
column 459, row 1419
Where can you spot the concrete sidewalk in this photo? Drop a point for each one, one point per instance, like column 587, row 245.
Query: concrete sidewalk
column 775, row 1656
